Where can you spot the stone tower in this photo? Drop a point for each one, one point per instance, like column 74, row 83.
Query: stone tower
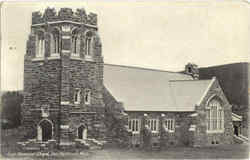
column 63, row 77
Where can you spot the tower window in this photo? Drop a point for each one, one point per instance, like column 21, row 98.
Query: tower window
column 40, row 44
column 75, row 43
column 77, row 96
column 55, row 42
column 87, row 96
column 88, row 44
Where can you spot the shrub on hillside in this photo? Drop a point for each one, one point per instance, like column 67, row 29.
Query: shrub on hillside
column 11, row 109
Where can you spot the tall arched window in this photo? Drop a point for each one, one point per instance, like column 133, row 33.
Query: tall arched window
column 215, row 116
column 40, row 44
column 87, row 96
column 75, row 43
column 55, row 42
column 88, row 43
column 77, row 96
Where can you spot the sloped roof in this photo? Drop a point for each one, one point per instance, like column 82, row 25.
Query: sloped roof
column 187, row 93
column 236, row 117
column 153, row 90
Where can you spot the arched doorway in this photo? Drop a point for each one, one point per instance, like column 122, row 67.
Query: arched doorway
column 45, row 129
column 82, row 132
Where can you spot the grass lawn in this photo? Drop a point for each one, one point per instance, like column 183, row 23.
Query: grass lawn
column 237, row 151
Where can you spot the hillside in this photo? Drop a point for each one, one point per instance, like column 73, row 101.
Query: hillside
column 233, row 79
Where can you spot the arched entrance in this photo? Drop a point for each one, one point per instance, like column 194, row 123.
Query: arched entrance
column 82, row 132
column 45, row 129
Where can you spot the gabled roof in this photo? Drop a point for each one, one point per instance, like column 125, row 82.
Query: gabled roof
column 153, row 90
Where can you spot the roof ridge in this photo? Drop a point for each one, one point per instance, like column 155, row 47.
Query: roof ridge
column 191, row 80
column 226, row 64
column 136, row 67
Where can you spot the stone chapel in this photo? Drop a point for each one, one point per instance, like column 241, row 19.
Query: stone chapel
column 68, row 89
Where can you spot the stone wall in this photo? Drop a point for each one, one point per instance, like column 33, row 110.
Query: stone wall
column 202, row 138
column 41, row 87
column 181, row 136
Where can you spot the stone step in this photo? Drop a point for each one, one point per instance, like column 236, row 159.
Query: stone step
column 239, row 140
column 244, row 138
column 95, row 144
column 156, row 148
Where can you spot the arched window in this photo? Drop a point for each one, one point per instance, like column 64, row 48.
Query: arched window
column 40, row 44
column 87, row 96
column 75, row 43
column 215, row 116
column 77, row 96
column 55, row 42
column 88, row 44
column 45, row 130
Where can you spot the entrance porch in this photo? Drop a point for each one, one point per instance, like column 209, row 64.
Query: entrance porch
column 237, row 126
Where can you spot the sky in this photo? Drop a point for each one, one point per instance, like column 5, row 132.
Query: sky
column 165, row 35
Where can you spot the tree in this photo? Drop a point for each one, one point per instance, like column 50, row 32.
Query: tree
column 11, row 109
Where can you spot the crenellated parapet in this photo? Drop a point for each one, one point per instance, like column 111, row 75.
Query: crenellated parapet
column 65, row 14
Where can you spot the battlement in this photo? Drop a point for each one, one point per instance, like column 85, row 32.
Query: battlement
column 65, row 14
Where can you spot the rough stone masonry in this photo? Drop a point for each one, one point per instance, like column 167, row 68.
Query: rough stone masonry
column 63, row 77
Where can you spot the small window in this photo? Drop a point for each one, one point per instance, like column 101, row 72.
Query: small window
column 134, row 125
column 77, row 96
column 87, row 96
column 153, row 124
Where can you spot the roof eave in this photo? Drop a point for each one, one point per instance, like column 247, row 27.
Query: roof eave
column 206, row 91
